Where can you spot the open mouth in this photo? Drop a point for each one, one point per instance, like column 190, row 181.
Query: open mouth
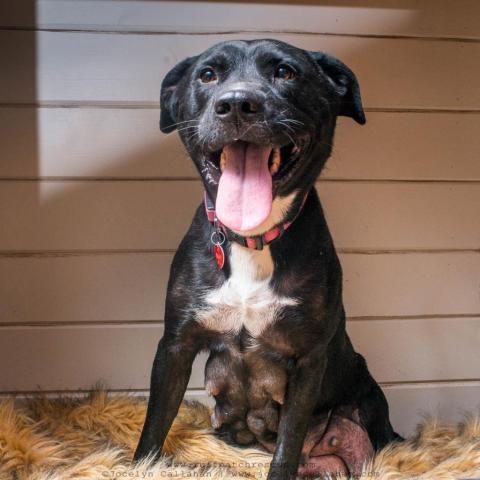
column 248, row 173
column 280, row 161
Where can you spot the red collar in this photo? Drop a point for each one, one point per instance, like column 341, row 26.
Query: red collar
column 255, row 242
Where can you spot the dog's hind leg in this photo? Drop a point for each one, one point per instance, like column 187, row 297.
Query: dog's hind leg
column 343, row 441
column 373, row 408
column 374, row 414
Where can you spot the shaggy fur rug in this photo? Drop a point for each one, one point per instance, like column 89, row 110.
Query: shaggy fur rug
column 93, row 438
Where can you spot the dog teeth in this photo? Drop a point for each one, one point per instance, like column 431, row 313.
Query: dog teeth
column 276, row 160
column 223, row 161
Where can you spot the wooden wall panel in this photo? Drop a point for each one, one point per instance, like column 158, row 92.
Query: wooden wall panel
column 78, row 356
column 86, row 67
column 131, row 287
column 364, row 17
column 417, row 284
column 126, row 143
column 448, row 402
column 72, row 215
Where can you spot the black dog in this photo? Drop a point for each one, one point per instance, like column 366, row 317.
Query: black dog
column 256, row 280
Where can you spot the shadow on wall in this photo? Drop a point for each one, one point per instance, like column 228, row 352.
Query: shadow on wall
column 18, row 123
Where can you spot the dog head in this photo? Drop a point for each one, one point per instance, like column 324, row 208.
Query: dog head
column 257, row 117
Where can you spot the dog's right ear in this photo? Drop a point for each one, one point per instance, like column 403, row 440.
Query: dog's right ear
column 168, row 94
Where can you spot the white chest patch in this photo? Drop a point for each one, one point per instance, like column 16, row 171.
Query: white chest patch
column 246, row 298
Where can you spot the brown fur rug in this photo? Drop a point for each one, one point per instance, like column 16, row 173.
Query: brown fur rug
column 93, row 438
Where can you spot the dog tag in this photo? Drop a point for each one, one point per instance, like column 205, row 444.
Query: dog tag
column 219, row 255
column 218, row 239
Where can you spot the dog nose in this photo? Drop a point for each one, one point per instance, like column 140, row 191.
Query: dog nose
column 238, row 104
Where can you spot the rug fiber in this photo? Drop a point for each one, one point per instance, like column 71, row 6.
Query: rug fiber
column 94, row 438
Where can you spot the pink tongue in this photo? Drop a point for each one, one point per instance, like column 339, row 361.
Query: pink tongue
column 244, row 197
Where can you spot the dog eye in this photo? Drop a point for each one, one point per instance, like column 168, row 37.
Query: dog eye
column 208, row 75
column 284, row 72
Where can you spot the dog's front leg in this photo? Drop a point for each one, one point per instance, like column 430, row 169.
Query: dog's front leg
column 303, row 391
column 170, row 374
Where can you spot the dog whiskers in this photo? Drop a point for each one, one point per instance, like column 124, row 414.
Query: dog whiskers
column 185, row 121
column 194, row 127
column 295, row 122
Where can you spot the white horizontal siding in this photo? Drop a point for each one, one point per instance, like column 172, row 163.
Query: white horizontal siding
column 437, row 18
column 85, row 67
column 73, row 215
column 445, row 401
column 78, row 356
column 125, row 287
column 126, row 143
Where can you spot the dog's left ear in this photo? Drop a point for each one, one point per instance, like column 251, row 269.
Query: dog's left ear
column 168, row 94
column 345, row 84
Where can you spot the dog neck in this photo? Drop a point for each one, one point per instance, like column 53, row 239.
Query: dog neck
column 271, row 229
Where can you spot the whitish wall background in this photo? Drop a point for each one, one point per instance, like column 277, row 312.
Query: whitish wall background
column 94, row 199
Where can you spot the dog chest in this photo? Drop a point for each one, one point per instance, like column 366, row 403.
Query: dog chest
column 246, row 298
